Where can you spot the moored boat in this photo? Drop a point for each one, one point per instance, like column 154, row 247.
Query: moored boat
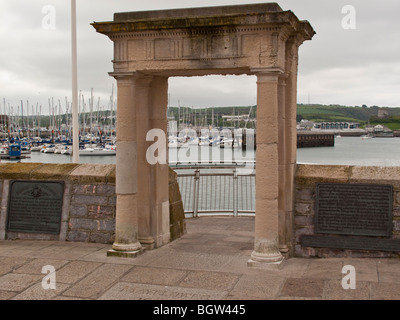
column 97, row 151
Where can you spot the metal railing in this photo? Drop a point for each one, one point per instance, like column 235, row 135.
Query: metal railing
column 217, row 190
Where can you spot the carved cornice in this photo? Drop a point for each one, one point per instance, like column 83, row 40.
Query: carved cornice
column 224, row 24
column 193, row 32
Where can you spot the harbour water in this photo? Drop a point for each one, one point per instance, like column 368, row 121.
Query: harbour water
column 347, row 151
column 354, row 151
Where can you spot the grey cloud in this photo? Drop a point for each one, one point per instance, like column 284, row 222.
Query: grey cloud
column 337, row 65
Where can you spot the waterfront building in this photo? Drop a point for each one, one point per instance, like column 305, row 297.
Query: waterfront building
column 336, row 125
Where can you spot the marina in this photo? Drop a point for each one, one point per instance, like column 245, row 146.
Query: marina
column 347, row 151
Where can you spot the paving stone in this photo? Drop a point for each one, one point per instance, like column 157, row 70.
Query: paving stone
column 385, row 291
column 53, row 251
column 209, row 280
column 35, row 266
column 389, row 265
column 6, row 295
column 78, row 252
column 61, row 297
column 8, row 264
column 238, row 296
column 258, row 285
column 137, row 291
column 306, row 288
column 392, row 277
column 238, row 264
column 194, row 261
column 294, row 267
column 27, row 249
column 325, row 268
column 334, row 291
column 18, row 282
column 66, row 251
column 75, row 271
column 97, row 281
column 152, row 275
column 36, row 292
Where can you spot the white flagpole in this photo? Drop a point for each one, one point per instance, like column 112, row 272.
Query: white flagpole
column 75, row 123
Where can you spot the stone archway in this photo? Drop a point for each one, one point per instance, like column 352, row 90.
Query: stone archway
column 149, row 47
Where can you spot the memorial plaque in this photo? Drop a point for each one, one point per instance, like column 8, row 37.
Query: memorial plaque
column 35, row 206
column 353, row 209
column 351, row 242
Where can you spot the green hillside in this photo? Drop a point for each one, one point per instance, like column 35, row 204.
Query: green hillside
column 312, row 112
column 392, row 122
column 362, row 114
column 335, row 113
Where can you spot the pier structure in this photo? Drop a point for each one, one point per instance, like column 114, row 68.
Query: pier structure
column 310, row 140
column 151, row 46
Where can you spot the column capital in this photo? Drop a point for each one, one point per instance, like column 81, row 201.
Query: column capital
column 118, row 75
column 282, row 79
column 267, row 74
column 136, row 78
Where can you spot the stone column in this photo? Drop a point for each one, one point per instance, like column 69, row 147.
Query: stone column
column 153, row 193
column 266, row 243
column 282, row 159
column 126, row 242
column 160, row 170
column 291, row 133
column 143, row 96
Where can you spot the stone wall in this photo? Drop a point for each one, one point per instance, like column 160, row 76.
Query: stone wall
column 88, row 210
column 92, row 213
column 307, row 176
column 89, row 200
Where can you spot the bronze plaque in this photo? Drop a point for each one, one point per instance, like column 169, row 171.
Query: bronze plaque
column 353, row 209
column 35, row 206
column 351, row 242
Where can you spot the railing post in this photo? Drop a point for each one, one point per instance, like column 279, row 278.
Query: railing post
column 196, row 191
column 235, row 193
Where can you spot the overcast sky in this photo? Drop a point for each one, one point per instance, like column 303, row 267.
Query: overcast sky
column 339, row 66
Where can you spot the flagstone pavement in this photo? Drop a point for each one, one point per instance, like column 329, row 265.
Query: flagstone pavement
column 208, row 263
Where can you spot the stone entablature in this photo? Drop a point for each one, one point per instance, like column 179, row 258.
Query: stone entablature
column 241, row 38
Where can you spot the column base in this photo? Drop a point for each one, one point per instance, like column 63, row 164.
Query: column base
column 147, row 242
column 125, row 251
column 265, row 261
column 124, row 254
